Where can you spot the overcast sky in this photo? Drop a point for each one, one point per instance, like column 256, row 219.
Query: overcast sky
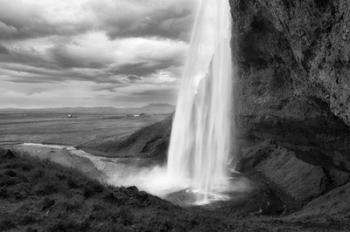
column 57, row 53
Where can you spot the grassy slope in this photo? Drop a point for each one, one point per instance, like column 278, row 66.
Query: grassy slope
column 41, row 196
column 46, row 197
column 148, row 142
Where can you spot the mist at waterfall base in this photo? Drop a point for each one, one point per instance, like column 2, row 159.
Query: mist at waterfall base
column 201, row 138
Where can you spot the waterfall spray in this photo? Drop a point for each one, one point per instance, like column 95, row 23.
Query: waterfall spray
column 201, row 133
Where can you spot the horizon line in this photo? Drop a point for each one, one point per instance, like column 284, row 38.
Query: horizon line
column 85, row 107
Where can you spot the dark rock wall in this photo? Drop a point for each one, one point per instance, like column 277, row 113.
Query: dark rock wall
column 293, row 91
column 295, row 48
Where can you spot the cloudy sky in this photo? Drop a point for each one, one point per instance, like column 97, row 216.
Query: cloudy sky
column 57, row 53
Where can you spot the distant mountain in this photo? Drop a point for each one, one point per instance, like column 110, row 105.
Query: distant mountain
column 158, row 108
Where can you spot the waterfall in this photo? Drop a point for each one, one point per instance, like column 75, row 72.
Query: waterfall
column 201, row 134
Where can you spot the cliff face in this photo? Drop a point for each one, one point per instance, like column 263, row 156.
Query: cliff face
column 292, row 91
column 296, row 48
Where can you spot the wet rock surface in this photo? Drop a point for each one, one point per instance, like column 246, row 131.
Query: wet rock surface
column 300, row 180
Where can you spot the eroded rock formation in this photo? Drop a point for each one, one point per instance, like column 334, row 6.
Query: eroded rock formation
column 293, row 92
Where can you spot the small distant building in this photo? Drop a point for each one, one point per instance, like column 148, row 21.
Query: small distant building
column 136, row 115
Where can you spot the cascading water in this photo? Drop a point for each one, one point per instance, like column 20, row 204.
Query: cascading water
column 201, row 133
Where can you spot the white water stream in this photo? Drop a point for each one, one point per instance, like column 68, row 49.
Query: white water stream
column 201, row 133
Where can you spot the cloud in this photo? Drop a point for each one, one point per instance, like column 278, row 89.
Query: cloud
column 38, row 18
column 3, row 50
column 170, row 19
column 120, row 51
column 145, row 68
column 93, row 55
column 122, row 18
column 59, row 94
column 133, row 78
column 76, row 93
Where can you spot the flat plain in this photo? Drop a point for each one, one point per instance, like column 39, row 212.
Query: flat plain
column 70, row 126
